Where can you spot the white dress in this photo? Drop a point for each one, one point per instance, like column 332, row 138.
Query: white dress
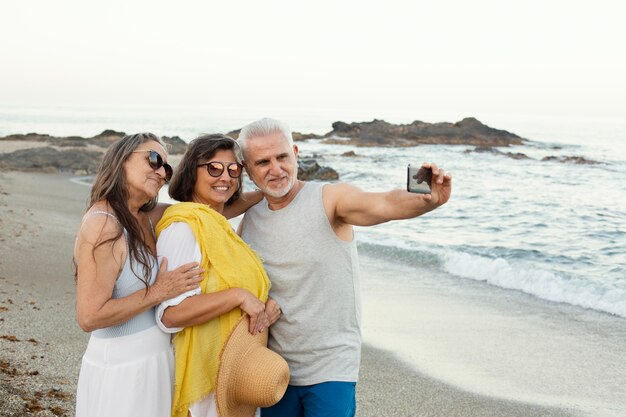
column 127, row 369
column 127, row 376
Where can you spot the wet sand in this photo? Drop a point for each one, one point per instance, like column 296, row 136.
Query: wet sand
column 41, row 345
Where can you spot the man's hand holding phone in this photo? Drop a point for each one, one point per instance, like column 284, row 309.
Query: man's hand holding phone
column 429, row 180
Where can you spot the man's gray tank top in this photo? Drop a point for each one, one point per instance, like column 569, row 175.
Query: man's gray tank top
column 315, row 279
column 126, row 284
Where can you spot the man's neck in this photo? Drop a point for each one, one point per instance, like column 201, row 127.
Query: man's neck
column 282, row 202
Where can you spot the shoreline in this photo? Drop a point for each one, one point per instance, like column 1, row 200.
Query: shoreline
column 41, row 345
column 496, row 342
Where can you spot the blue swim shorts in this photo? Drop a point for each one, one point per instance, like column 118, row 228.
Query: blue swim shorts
column 327, row 399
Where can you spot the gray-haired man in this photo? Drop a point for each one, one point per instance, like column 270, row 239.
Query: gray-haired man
column 303, row 232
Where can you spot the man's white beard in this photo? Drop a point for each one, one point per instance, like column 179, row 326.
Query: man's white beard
column 280, row 192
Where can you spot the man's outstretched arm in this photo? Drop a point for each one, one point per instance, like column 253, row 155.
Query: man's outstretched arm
column 350, row 205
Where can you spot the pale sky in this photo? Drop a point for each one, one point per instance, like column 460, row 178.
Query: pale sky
column 548, row 57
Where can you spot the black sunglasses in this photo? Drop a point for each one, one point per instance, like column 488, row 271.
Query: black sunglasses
column 156, row 162
column 215, row 168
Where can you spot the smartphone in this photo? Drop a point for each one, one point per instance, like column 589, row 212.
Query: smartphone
column 418, row 179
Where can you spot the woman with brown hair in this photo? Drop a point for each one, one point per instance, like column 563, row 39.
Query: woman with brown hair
column 127, row 369
column 207, row 181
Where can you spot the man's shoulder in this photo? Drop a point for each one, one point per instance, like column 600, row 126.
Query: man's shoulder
column 333, row 191
column 256, row 207
column 331, row 198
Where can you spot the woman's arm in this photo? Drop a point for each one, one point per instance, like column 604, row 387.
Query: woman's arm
column 205, row 307
column 98, row 268
column 178, row 243
column 242, row 204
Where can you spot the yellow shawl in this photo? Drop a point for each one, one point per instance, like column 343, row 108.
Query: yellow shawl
column 228, row 263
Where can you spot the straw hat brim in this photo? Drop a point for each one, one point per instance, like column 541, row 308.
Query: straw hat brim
column 249, row 374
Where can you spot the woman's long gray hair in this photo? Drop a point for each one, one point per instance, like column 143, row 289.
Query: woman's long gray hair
column 110, row 185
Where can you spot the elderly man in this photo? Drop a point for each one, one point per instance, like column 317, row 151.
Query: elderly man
column 303, row 232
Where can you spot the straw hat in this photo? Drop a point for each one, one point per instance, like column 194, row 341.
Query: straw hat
column 249, row 375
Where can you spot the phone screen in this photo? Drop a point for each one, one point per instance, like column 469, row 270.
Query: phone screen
column 418, row 179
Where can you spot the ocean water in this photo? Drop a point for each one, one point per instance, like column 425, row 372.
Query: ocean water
column 554, row 230
column 550, row 229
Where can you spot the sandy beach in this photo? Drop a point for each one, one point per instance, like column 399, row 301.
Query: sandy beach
column 41, row 345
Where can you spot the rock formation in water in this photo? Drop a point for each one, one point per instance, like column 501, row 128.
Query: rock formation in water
column 468, row 131
column 309, row 169
column 82, row 156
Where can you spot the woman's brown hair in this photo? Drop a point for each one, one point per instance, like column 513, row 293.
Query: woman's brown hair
column 200, row 149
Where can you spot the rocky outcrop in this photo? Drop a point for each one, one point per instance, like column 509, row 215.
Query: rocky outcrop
column 297, row 136
column 106, row 138
column 300, row 137
column 468, row 131
column 309, row 169
column 571, row 159
column 487, row 149
column 75, row 154
column 72, row 154
column 519, row 155
column 49, row 159
column 29, row 137
column 175, row 145
column 351, row 154
column 102, row 140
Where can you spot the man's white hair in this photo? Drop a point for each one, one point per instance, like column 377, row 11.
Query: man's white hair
column 264, row 127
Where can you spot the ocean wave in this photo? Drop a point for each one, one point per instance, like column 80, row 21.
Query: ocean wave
column 87, row 180
column 538, row 282
column 411, row 257
column 510, row 271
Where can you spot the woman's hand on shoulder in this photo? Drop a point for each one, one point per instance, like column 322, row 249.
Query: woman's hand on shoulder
column 170, row 284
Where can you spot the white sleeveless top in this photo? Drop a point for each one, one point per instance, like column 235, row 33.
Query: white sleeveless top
column 315, row 279
column 127, row 283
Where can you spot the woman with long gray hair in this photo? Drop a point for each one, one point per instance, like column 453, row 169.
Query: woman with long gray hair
column 128, row 367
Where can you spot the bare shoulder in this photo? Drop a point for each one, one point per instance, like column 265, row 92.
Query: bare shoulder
column 333, row 192
column 97, row 226
column 336, row 194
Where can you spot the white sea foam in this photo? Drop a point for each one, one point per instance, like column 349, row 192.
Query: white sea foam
column 88, row 180
column 540, row 283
